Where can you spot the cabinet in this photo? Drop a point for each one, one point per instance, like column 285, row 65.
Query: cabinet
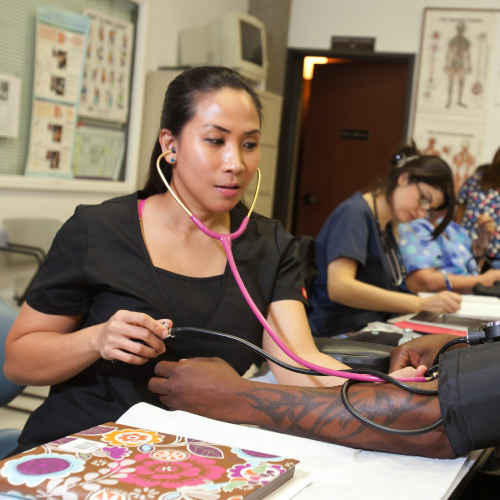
column 156, row 85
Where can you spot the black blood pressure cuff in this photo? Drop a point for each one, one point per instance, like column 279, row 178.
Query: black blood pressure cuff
column 469, row 396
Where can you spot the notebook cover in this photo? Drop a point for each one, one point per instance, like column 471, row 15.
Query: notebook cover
column 118, row 462
column 420, row 328
column 445, row 320
column 429, row 322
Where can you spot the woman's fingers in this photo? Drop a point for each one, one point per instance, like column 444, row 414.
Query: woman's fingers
column 443, row 302
column 133, row 337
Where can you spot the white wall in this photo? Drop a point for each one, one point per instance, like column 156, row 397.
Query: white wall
column 395, row 25
column 29, row 197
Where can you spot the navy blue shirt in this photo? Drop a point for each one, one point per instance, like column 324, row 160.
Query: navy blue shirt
column 351, row 232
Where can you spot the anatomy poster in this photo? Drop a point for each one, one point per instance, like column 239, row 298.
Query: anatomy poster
column 456, row 62
column 61, row 39
column 105, row 87
column 458, row 143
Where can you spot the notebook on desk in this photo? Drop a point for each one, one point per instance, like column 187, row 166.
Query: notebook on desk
column 122, row 462
column 476, row 306
column 475, row 310
column 429, row 322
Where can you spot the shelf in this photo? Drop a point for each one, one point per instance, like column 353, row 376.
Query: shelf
column 34, row 183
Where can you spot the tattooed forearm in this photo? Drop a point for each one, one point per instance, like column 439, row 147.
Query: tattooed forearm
column 320, row 414
column 210, row 387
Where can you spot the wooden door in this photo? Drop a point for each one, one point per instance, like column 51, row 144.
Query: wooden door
column 356, row 116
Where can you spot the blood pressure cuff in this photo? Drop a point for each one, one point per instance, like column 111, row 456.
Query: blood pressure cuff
column 469, row 396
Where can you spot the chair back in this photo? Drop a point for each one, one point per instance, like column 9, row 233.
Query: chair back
column 33, row 232
column 8, row 390
column 25, row 242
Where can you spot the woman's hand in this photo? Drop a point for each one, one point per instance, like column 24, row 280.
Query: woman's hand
column 485, row 230
column 131, row 337
column 489, row 277
column 442, row 302
column 409, row 371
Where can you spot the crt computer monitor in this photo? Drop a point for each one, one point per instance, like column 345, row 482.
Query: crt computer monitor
column 236, row 40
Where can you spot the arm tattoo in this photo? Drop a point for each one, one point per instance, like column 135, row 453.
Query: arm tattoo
column 319, row 413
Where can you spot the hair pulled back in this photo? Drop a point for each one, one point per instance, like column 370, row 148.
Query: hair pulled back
column 429, row 169
column 179, row 107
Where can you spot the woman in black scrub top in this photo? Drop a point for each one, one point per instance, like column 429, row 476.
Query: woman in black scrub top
column 127, row 269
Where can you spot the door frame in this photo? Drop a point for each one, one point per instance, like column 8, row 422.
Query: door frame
column 289, row 144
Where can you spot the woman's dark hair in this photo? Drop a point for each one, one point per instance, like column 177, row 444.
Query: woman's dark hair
column 179, row 107
column 429, row 169
column 491, row 174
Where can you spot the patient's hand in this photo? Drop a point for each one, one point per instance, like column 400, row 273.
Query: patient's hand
column 205, row 386
column 416, row 352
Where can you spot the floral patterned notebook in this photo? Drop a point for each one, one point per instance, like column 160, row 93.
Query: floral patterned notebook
column 117, row 462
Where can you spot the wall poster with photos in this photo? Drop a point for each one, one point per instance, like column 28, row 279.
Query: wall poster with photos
column 60, row 49
column 455, row 85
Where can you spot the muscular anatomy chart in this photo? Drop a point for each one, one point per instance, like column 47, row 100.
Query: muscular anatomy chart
column 455, row 81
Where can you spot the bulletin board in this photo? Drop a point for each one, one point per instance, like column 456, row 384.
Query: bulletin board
column 57, row 119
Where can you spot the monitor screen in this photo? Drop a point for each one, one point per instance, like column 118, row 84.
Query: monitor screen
column 251, row 43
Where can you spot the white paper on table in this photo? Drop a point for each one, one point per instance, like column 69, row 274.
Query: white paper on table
column 334, row 471
column 484, row 307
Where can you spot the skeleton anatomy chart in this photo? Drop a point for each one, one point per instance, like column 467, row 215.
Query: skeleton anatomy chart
column 455, row 82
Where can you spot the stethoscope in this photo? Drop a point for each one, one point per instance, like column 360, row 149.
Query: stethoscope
column 226, row 240
column 391, row 249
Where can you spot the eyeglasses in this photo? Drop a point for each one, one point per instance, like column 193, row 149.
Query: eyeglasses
column 425, row 202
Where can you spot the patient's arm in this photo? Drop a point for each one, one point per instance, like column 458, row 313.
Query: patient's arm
column 210, row 387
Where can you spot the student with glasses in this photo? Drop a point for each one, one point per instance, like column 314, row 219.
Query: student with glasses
column 360, row 268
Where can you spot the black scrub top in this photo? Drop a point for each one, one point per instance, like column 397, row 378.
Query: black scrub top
column 99, row 264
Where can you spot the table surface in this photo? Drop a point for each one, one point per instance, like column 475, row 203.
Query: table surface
column 333, row 471
column 325, row 470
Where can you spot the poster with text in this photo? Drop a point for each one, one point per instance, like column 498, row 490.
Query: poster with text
column 106, row 79
column 459, row 144
column 456, row 62
column 51, row 144
column 59, row 56
column 61, row 40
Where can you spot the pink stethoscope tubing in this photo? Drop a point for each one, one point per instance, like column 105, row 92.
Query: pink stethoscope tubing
column 225, row 240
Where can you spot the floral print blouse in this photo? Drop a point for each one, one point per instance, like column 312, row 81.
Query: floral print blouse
column 477, row 202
